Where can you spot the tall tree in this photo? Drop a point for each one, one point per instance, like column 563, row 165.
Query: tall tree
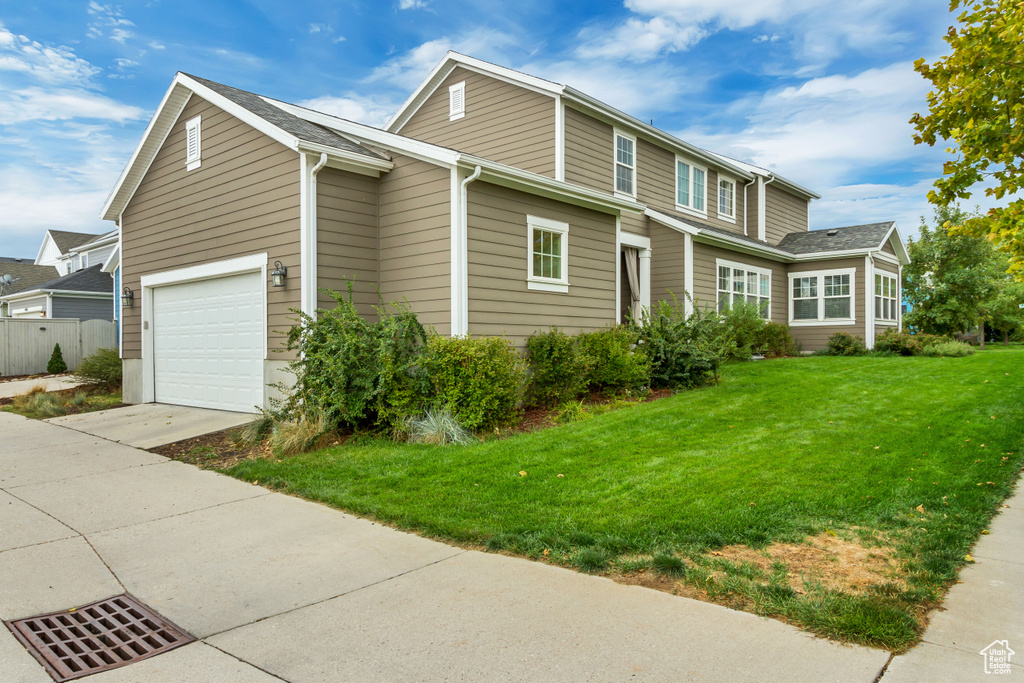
column 977, row 107
column 950, row 277
column 1003, row 311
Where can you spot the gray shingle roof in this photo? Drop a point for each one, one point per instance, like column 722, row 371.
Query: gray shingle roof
column 66, row 241
column 90, row 279
column 27, row 275
column 289, row 123
column 867, row 236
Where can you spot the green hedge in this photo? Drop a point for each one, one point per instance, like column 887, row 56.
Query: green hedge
column 560, row 370
column 614, row 360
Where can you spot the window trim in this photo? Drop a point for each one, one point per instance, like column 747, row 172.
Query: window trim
column 194, row 161
column 453, row 113
column 616, row 134
column 895, row 299
column 689, row 208
column 547, row 284
column 718, row 198
column 822, row 321
column 735, row 265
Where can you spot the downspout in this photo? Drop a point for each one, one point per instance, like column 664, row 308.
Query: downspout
column 309, row 264
column 462, row 319
column 746, row 204
column 869, row 302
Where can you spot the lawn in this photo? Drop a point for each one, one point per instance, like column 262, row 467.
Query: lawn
column 839, row 494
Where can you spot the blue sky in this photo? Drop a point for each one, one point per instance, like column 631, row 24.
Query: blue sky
column 818, row 91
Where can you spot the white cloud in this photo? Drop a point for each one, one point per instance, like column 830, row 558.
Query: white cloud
column 639, row 40
column 108, row 21
column 63, row 104
column 157, row 46
column 42, row 62
column 412, row 4
column 409, row 69
column 371, row 110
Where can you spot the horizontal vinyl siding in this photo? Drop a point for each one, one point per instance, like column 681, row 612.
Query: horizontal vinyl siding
column 346, row 217
column 99, row 256
column 499, row 302
column 244, row 199
column 784, row 213
column 83, row 309
column 705, row 277
column 503, row 122
column 814, row 338
column 750, row 208
column 887, row 249
column 32, row 302
column 588, row 151
column 414, row 247
column 668, row 261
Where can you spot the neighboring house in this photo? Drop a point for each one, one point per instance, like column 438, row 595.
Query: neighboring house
column 84, row 294
column 57, row 247
column 494, row 202
column 24, row 274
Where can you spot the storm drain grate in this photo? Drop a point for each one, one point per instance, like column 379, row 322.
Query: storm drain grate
column 97, row 637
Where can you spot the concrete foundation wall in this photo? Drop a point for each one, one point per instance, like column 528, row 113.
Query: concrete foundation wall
column 131, row 380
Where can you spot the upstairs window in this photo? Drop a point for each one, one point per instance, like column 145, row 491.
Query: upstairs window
column 625, row 164
column 885, row 297
column 739, row 283
column 690, row 186
column 457, row 101
column 726, row 199
column 193, row 144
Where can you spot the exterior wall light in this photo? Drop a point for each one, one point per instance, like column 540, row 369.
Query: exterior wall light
column 127, row 297
column 278, row 275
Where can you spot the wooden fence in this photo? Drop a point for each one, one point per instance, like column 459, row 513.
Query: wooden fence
column 26, row 343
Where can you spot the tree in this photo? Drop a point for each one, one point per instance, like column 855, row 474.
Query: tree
column 977, row 106
column 1002, row 312
column 950, row 277
column 56, row 363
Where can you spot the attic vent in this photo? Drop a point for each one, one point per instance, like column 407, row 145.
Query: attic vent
column 832, row 233
column 457, row 101
column 193, row 144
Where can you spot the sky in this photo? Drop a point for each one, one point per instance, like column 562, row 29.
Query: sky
column 818, row 91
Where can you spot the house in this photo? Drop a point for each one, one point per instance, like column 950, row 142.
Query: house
column 494, row 202
column 17, row 274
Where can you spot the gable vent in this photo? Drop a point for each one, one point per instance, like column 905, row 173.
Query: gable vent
column 193, row 144
column 457, row 101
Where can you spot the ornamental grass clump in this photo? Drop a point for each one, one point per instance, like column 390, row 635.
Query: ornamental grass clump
column 439, row 427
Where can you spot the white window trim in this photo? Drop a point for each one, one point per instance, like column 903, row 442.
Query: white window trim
column 85, row 260
column 192, row 162
column 822, row 321
column 683, row 207
column 718, row 202
column 879, row 295
column 616, row 133
column 736, row 265
column 547, row 284
column 453, row 113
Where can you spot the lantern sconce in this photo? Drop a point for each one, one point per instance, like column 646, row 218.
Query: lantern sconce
column 127, row 297
column 278, row 275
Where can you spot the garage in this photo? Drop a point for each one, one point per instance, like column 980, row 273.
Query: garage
column 208, row 342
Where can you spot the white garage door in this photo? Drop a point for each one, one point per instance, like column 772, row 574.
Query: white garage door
column 208, row 343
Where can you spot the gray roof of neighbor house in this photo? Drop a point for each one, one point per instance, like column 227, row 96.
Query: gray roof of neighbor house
column 69, row 240
column 27, row 275
column 91, row 279
column 289, row 123
column 867, row 236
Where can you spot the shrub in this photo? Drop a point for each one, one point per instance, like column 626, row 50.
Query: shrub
column 357, row 372
column 56, row 363
column 894, row 341
column 948, row 349
column 843, row 344
column 481, row 381
column 774, row 341
column 560, row 370
column 741, row 324
column 926, row 340
column 102, row 367
column 571, row 411
column 438, row 427
column 684, row 352
column 613, row 359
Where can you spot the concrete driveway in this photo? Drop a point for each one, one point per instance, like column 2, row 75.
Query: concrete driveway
column 149, row 425
column 274, row 586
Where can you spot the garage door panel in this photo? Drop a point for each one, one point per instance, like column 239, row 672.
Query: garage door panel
column 208, row 343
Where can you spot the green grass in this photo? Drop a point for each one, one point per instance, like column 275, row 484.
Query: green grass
column 780, row 451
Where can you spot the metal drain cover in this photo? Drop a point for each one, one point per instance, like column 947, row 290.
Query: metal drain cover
column 102, row 635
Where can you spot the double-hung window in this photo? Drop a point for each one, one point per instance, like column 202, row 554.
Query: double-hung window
column 821, row 297
column 726, row 199
column 625, row 164
column 690, row 186
column 738, row 283
column 548, row 254
column 885, row 296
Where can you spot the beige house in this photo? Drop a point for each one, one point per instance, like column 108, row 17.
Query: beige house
column 494, row 202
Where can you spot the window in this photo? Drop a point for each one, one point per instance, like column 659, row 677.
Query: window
column 821, row 296
column 548, row 259
column 85, row 260
column 690, row 186
column 193, row 144
column 625, row 164
column 726, row 199
column 457, row 101
column 885, row 297
column 738, row 282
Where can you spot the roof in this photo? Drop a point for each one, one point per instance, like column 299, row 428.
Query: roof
column 67, row 241
column 27, row 275
column 91, row 279
column 14, row 259
column 98, row 239
column 760, row 170
column 289, row 123
column 867, row 236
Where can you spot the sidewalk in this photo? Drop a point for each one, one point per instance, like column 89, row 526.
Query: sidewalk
column 277, row 588
column 51, row 383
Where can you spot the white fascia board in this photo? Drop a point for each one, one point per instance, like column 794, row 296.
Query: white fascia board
column 72, row 294
column 845, row 253
column 630, row 239
column 767, row 252
column 764, row 172
column 901, row 252
column 46, row 238
column 632, row 123
column 205, row 271
column 670, row 222
column 424, row 90
column 239, row 112
column 350, row 161
column 113, row 260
